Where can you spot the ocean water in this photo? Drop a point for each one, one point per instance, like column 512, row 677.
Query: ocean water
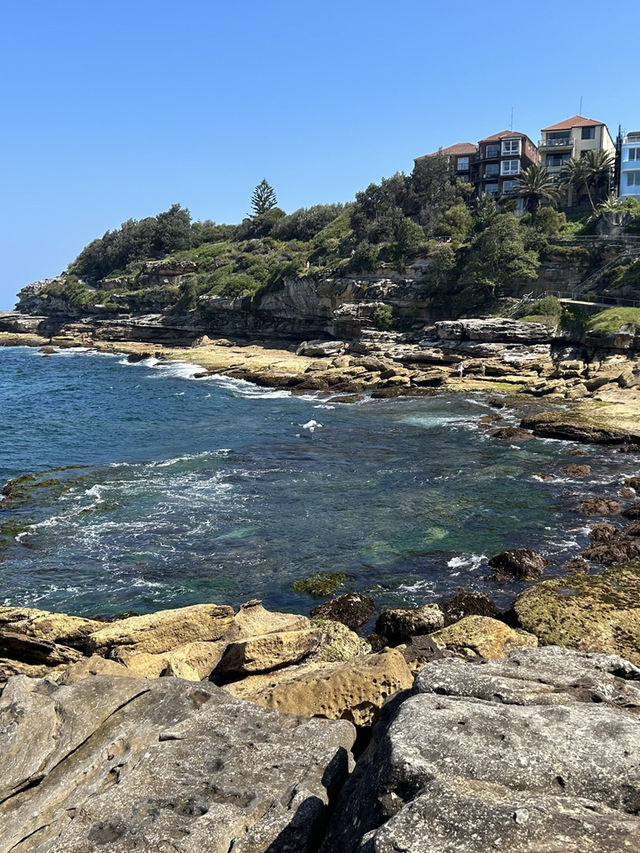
column 192, row 490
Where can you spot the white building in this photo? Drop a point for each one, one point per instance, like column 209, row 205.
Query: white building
column 630, row 166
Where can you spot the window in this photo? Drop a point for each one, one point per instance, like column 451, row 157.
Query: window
column 633, row 179
column 510, row 146
column 558, row 138
column 491, row 170
column 588, row 133
column 492, row 152
column 508, row 186
column 510, row 167
column 491, row 189
column 633, row 154
column 463, row 164
column 557, row 159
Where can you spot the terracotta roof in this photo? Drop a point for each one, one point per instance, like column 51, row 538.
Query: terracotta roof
column 574, row 121
column 502, row 135
column 460, row 149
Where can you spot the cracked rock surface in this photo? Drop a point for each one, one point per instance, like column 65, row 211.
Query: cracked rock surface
column 539, row 752
column 117, row 764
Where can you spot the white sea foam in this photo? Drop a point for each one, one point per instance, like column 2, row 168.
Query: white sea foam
column 470, row 562
column 311, row 425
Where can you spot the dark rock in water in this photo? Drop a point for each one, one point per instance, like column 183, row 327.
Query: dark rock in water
column 627, row 492
column 545, row 476
column 574, row 427
column 632, row 529
column 632, row 511
column 576, row 470
column 536, row 752
column 352, row 609
column 520, row 563
column 497, row 403
column 602, row 532
column 467, row 603
column 320, row 584
column 600, row 506
column 619, row 549
column 512, row 433
column 399, row 624
column 577, row 565
column 634, row 482
column 47, row 350
column 114, row 617
column 377, row 642
column 346, row 398
column 132, row 764
column 135, row 357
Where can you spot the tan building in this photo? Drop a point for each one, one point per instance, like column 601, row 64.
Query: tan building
column 570, row 139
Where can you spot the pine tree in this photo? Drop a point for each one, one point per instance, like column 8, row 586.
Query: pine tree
column 263, row 198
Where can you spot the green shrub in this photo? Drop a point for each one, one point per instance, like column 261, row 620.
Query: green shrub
column 612, row 319
column 548, row 306
column 383, row 318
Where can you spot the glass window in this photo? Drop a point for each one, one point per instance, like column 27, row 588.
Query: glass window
column 510, row 167
column 491, row 189
column 510, row 146
column 557, row 159
column 492, row 151
column 491, row 170
column 633, row 179
column 507, row 186
column 588, row 133
column 463, row 164
column 633, row 154
column 561, row 137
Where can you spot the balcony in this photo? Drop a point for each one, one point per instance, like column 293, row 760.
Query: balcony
column 565, row 142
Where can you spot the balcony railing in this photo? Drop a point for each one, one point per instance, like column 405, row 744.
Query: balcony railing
column 566, row 142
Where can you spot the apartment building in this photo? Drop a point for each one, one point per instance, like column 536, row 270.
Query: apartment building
column 571, row 139
column 629, row 166
column 461, row 156
column 500, row 159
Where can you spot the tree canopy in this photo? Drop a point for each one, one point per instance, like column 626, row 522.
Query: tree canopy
column 263, row 198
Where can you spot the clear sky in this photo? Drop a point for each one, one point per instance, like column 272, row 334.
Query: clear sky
column 115, row 109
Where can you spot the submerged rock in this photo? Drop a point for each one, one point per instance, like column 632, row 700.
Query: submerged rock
column 135, row 765
column 467, row 603
column 594, row 613
column 537, row 752
column 600, row 506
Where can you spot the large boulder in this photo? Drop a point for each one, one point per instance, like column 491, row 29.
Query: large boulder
column 353, row 690
column 44, row 625
column 519, row 563
column 466, row 602
column 482, row 636
column 537, row 752
column 268, row 651
column 352, row 609
column 163, row 630
column 135, row 765
column 399, row 624
column 594, row 613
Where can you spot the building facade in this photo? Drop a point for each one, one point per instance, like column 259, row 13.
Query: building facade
column 461, row 156
column 500, row 159
column 630, row 166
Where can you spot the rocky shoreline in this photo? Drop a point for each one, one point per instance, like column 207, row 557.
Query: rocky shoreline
column 202, row 728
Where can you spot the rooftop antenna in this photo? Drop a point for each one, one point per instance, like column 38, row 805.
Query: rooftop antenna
column 580, row 110
column 511, row 125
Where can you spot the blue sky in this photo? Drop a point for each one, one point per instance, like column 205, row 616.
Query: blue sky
column 116, row 110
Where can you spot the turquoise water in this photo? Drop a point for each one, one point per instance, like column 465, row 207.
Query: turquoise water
column 216, row 490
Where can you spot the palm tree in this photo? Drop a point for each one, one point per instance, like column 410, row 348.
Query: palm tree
column 574, row 174
column 535, row 186
column 599, row 171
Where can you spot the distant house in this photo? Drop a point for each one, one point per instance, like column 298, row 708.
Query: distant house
column 572, row 139
column 460, row 157
column 501, row 158
column 630, row 166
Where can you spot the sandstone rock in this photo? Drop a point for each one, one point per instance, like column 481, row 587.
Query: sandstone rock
column 30, row 650
column 494, row 329
column 252, row 619
column 576, row 427
column 9, row 667
column 600, row 506
column 419, row 651
column 352, row 609
column 163, row 630
column 595, row 613
column 482, row 636
column 268, row 651
column 536, row 752
column 128, row 764
column 95, row 665
column 354, row 690
column 519, row 563
column 467, row 603
column 337, row 642
column 192, row 661
column 43, row 625
column 576, row 470
column 399, row 624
